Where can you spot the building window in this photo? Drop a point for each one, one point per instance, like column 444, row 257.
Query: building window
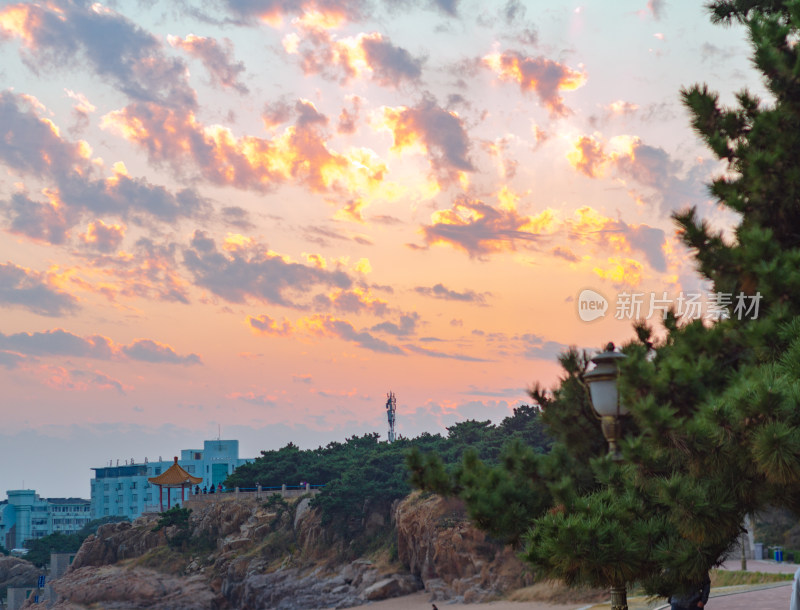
column 198, row 455
column 157, row 470
column 134, row 498
column 133, row 485
column 105, row 486
column 190, row 468
column 106, row 511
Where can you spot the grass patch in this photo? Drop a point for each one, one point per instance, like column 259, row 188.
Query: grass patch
column 731, row 578
column 162, row 559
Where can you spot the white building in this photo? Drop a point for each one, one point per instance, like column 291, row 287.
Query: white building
column 26, row 516
column 125, row 491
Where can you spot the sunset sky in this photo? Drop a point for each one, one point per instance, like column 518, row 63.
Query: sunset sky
column 254, row 218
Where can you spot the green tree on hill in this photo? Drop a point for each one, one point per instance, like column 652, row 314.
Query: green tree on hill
column 364, row 474
column 714, row 429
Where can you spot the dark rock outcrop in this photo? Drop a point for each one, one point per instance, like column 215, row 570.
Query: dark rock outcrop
column 16, row 572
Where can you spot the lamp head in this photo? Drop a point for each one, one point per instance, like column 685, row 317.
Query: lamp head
column 602, row 382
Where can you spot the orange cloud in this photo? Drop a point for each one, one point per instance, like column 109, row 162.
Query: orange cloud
column 633, row 162
column 479, row 228
column 148, row 272
column 363, row 56
column 621, row 271
column 265, row 325
column 22, row 21
column 77, row 380
column 300, row 153
column 590, row 157
column 432, row 130
column 543, row 76
column 103, row 237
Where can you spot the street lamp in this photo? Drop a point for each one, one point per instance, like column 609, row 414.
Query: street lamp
column 604, row 396
column 605, row 401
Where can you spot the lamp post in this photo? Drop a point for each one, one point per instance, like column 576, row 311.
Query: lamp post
column 605, row 401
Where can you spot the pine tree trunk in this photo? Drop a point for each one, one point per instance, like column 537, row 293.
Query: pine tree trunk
column 619, row 598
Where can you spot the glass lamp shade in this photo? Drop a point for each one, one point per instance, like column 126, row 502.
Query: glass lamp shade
column 602, row 382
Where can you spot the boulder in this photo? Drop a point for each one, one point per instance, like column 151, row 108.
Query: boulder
column 394, row 586
column 114, row 587
column 16, row 572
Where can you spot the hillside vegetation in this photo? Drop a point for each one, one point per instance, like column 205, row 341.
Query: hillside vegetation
column 363, row 474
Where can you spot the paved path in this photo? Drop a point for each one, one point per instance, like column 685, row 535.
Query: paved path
column 761, row 565
column 776, row 598
column 769, row 598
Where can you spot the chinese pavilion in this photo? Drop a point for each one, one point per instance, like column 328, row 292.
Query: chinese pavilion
column 172, row 478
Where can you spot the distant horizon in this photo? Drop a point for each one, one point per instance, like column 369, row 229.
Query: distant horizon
column 265, row 216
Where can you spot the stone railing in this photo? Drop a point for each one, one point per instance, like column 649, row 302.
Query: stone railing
column 257, row 493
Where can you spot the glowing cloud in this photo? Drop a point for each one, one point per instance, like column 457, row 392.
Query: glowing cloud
column 436, row 132
column 629, row 159
column 103, row 237
column 543, row 76
column 363, row 56
column 37, row 292
column 300, row 153
column 479, row 229
column 266, row 325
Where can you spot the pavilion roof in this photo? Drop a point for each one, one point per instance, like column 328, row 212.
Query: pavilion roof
column 175, row 475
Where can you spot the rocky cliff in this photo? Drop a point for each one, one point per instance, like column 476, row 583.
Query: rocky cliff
column 454, row 560
column 256, row 554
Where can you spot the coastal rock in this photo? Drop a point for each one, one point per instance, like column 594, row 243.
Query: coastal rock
column 115, row 587
column 117, row 541
column 395, row 586
column 245, row 553
column 16, row 572
column 454, row 560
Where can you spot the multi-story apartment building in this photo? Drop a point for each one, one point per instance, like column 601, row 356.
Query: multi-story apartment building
column 124, row 491
column 25, row 516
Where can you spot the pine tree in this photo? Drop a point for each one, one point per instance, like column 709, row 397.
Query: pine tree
column 714, row 430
